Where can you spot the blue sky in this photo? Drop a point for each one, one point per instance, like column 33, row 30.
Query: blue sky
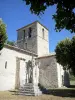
column 16, row 14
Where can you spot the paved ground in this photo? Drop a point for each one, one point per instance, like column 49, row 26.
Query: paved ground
column 10, row 96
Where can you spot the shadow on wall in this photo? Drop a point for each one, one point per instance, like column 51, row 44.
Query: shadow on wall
column 66, row 79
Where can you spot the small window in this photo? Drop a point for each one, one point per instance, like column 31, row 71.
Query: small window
column 6, row 65
column 24, row 34
column 26, row 45
column 29, row 33
column 43, row 33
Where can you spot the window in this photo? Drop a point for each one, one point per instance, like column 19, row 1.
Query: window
column 24, row 34
column 6, row 65
column 29, row 33
column 43, row 33
column 26, row 45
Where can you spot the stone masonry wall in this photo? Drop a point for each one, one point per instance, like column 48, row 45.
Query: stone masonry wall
column 48, row 72
column 24, row 42
column 42, row 42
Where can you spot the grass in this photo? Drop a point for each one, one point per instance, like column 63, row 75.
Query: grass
column 10, row 96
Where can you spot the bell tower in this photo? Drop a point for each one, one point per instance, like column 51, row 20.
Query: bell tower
column 34, row 38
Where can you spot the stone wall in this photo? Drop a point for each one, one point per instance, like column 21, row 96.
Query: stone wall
column 26, row 42
column 8, row 67
column 48, row 76
column 37, row 43
column 51, row 73
column 42, row 41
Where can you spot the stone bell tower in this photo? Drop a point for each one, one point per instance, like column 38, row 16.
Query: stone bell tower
column 34, row 38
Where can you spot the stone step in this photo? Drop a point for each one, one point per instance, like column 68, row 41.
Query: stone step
column 26, row 87
column 30, row 92
column 27, row 94
column 29, row 89
column 28, row 84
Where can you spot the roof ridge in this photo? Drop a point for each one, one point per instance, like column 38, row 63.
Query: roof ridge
column 31, row 24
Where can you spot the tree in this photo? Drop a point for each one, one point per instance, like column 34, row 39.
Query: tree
column 11, row 43
column 65, row 54
column 72, row 55
column 3, row 36
column 64, row 16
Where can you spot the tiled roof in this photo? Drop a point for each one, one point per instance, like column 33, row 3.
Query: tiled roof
column 46, row 56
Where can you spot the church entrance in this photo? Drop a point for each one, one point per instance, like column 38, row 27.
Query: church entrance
column 20, row 72
column 24, row 72
column 29, row 72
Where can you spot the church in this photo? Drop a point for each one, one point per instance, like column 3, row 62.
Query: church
column 29, row 62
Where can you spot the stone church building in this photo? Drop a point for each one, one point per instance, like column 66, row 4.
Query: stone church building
column 32, row 47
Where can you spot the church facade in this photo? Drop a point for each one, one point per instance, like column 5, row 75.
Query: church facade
column 32, row 48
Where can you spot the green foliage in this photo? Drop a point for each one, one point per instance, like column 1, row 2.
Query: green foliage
column 3, row 36
column 72, row 55
column 65, row 54
column 64, row 16
column 10, row 43
column 72, row 78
